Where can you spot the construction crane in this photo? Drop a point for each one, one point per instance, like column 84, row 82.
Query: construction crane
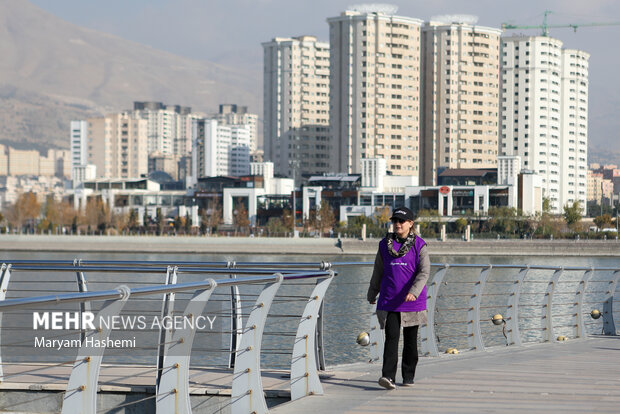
column 545, row 26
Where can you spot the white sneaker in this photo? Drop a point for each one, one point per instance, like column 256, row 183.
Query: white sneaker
column 387, row 383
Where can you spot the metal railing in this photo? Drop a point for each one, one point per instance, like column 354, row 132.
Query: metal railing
column 471, row 293
column 175, row 345
column 473, row 289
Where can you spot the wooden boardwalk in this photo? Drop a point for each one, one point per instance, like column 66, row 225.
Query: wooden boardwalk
column 576, row 376
column 580, row 376
column 134, row 379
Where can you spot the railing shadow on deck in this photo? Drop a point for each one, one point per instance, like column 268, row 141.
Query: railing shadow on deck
column 267, row 313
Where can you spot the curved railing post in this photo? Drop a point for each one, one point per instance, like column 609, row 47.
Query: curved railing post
column 548, row 318
column 428, row 338
column 247, row 388
column 319, row 346
column 81, row 394
column 236, row 318
column 609, row 326
column 82, row 287
column 319, row 339
column 304, row 376
column 474, row 335
column 375, row 335
column 5, row 277
column 512, row 314
column 580, row 331
column 173, row 388
column 165, row 335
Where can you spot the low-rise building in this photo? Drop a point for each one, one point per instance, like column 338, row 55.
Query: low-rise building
column 461, row 192
column 16, row 162
column 42, row 186
column 600, row 189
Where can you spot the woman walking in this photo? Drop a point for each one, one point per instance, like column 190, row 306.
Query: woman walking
column 402, row 267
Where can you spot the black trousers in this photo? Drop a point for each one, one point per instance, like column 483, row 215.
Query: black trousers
column 390, row 351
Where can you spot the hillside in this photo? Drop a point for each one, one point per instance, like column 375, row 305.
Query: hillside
column 603, row 156
column 53, row 71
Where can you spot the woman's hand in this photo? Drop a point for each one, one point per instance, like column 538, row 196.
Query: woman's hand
column 410, row 297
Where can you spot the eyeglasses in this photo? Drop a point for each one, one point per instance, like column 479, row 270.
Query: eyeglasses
column 397, row 220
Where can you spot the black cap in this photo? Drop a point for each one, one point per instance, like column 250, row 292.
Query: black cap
column 402, row 213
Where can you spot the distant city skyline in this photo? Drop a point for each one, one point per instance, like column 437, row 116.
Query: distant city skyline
column 231, row 32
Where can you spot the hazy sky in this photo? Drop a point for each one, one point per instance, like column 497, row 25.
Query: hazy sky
column 230, row 31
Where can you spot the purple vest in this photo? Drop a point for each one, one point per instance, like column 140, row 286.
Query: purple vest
column 398, row 277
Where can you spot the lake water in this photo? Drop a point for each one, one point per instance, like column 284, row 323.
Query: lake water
column 347, row 312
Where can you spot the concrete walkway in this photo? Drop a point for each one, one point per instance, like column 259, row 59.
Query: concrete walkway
column 580, row 376
column 303, row 246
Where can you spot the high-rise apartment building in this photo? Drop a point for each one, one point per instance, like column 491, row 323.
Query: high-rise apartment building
column 544, row 100
column 296, row 105
column 169, row 127
column 460, row 96
column 574, row 128
column 220, row 150
column 117, row 145
column 240, row 147
column 79, row 145
column 231, row 114
column 375, row 90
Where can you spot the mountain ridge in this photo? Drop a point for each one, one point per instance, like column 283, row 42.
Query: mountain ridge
column 53, row 71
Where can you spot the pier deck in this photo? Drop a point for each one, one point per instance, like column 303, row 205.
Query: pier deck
column 578, row 376
column 133, row 379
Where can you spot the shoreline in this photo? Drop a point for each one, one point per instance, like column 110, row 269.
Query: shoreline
column 302, row 246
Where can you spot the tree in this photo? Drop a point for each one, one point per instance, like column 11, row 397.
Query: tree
column 311, row 221
column 460, row 224
column 97, row 214
column 178, row 223
column 572, row 214
column 425, row 221
column 287, row 219
column 146, row 221
column 90, row 213
column 603, row 221
column 120, row 221
column 325, row 217
column 544, row 220
column 382, row 216
column 132, row 221
column 341, row 227
column 53, row 212
column 160, row 219
column 213, row 216
column 276, row 225
column 502, row 219
column 25, row 210
column 187, row 223
column 68, row 214
column 241, row 220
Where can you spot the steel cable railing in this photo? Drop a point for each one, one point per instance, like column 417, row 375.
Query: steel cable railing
column 455, row 291
column 260, row 276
